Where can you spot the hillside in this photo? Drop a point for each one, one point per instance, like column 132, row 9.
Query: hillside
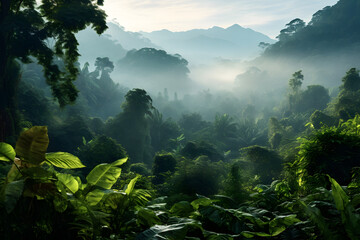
column 336, row 27
column 234, row 42
column 325, row 48
column 114, row 43
column 92, row 46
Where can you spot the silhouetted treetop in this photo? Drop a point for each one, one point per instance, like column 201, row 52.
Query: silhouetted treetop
column 153, row 60
column 336, row 27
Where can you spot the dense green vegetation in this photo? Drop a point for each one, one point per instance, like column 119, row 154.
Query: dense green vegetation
column 125, row 163
column 332, row 28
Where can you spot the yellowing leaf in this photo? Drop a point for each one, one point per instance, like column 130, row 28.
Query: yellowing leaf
column 131, row 185
column 105, row 175
column 64, row 160
column 7, row 152
column 32, row 145
column 69, row 182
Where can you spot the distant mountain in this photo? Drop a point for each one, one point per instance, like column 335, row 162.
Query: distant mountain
column 129, row 40
column 91, row 46
column 234, row 42
column 197, row 45
column 114, row 43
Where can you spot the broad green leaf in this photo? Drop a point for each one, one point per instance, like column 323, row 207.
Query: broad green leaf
column 182, row 209
column 119, row 162
column 131, row 185
column 147, row 217
column 244, row 215
column 32, row 145
column 350, row 218
column 219, row 236
column 37, row 173
column 340, row 197
column 116, row 199
column 69, row 181
column 105, row 175
column 7, row 152
column 248, row 234
column 94, row 197
column 64, row 160
column 176, row 229
column 315, row 216
column 201, row 202
column 60, row 204
column 279, row 224
column 13, row 192
column 140, row 196
column 356, row 200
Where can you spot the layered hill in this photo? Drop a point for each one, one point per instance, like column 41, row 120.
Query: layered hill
column 197, row 45
column 201, row 45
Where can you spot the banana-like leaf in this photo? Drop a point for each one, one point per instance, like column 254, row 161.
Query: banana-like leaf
column 94, row 197
column 249, row 234
column 147, row 217
column 350, row 218
column 7, row 152
column 37, row 173
column 131, row 185
column 32, row 145
column 105, row 175
column 13, row 192
column 316, row 216
column 116, row 199
column 64, row 160
column 279, row 224
column 340, row 197
column 69, row 181
column 219, row 236
column 182, row 209
column 201, row 202
column 177, row 229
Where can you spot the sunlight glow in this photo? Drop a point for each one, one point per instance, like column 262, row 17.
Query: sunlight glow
column 268, row 17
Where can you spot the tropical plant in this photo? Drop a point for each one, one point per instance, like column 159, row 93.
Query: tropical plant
column 99, row 150
column 131, row 129
column 330, row 150
column 43, row 203
column 263, row 163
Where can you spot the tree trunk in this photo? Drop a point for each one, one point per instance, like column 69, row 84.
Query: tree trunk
column 9, row 72
column 8, row 108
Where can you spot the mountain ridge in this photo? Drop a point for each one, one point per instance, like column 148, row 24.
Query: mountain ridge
column 244, row 42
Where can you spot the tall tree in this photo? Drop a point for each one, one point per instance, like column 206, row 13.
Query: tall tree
column 294, row 87
column 291, row 28
column 351, row 81
column 26, row 29
column 131, row 129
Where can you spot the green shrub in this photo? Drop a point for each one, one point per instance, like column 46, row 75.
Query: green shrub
column 195, row 149
column 264, row 163
column 163, row 164
column 200, row 176
column 329, row 150
column 101, row 149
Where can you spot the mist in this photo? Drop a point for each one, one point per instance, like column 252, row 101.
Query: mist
column 216, row 133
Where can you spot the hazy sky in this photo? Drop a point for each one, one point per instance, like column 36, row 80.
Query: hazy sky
column 266, row 16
